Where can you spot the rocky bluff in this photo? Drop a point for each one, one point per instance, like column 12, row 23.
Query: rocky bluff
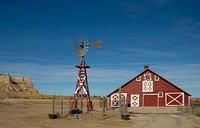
column 16, row 84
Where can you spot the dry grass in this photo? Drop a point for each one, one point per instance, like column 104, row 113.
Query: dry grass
column 194, row 110
column 34, row 113
column 22, row 95
column 95, row 102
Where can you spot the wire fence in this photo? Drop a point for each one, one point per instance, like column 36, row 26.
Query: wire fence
column 193, row 109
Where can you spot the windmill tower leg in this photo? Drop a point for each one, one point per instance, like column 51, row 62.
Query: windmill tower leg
column 89, row 105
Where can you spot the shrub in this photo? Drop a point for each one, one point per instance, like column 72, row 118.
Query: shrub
column 198, row 114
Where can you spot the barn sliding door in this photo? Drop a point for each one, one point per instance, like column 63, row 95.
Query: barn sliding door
column 174, row 99
column 135, row 100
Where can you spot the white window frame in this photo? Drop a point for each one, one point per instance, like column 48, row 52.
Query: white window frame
column 156, row 78
column 159, row 94
column 138, row 78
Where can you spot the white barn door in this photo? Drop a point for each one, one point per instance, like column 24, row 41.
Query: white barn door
column 135, row 100
column 115, row 99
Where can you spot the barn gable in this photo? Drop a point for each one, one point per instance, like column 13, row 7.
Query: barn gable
column 150, row 89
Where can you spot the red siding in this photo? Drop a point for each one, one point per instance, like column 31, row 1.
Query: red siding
column 186, row 98
column 164, row 86
column 150, row 100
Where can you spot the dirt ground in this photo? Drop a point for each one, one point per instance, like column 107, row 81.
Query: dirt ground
column 34, row 114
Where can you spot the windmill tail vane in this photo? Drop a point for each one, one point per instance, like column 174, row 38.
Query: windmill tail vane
column 97, row 44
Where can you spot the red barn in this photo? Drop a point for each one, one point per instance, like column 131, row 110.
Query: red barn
column 149, row 89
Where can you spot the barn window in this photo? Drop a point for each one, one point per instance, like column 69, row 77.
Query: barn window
column 160, row 94
column 147, row 86
column 138, row 78
column 156, row 78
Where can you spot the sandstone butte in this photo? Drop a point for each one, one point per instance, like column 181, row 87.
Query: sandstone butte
column 16, row 84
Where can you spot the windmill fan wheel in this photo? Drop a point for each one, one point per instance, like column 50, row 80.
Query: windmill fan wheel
column 81, row 46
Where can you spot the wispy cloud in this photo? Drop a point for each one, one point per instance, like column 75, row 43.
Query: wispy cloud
column 138, row 9
column 133, row 8
column 49, row 76
column 38, row 72
column 180, row 71
column 187, row 26
column 185, row 76
column 160, row 2
column 149, row 52
column 61, row 73
column 109, row 75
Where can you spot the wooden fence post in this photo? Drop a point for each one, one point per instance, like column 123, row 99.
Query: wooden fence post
column 53, row 104
column 120, row 102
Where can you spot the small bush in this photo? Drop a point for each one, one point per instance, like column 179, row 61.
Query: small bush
column 198, row 114
column 26, row 97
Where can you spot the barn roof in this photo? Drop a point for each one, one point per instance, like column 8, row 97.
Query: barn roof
column 145, row 70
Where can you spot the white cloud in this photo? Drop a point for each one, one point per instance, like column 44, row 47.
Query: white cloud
column 185, row 76
column 187, row 26
column 109, row 75
column 63, row 73
column 133, row 9
column 149, row 52
column 180, row 71
column 141, row 8
column 38, row 72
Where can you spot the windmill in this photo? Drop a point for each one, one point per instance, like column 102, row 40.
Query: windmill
column 81, row 47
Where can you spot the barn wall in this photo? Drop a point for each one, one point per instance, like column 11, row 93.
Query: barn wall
column 165, row 87
column 135, row 87
column 186, row 100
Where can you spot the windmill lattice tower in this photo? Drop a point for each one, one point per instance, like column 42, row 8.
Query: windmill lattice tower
column 82, row 89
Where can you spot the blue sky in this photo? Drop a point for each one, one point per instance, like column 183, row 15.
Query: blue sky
column 37, row 38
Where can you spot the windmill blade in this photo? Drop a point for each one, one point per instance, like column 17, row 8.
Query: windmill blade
column 97, row 44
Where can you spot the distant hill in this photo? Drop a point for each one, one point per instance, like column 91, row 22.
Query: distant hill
column 16, row 84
